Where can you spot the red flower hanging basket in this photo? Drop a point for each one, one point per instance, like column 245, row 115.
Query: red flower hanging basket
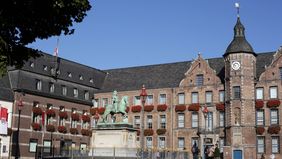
column 194, row 107
column 101, row 110
column 73, row 131
column 260, row 130
column 63, row 114
column 136, row 108
column 50, row 128
column 75, row 116
column 273, row 129
column 62, row 129
column 50, row 112
column 161, row 131
column 85, row 118
column 148, row 132
column 36, row 126
column 180, row 108
column 86, row 132
column 220, row 107
column 273, row 103
column 259, row 104
column 148, row 108
column 162, row 107
column 37, row 110
column 93, row 111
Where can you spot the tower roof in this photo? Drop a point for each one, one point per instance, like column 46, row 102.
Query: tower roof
column 239, row 43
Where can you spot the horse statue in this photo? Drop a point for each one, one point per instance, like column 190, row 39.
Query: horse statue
column 116, row 108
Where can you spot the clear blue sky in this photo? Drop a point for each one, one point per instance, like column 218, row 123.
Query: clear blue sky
column 126, row 33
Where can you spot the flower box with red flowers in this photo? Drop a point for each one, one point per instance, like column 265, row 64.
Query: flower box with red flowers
column 161, row 131
column 93, row 111
column 220, row 107
column 73, row 131
column 260, row 130
column 148, row 108
column 148, row 132
column 194, row 107
column 62, row 129
column 50, row 112
column 136, row 108
column 101, row 110
column 273, row 103
column 86, row 132
column 36, row 126
column 75, row 117
column 127, row 109
column 37, row 110
column 162, row 107
column 85, row 118
column 259, row 104
column 63, row 114
column 180, row 108
column 50, row 128
column 273, row 129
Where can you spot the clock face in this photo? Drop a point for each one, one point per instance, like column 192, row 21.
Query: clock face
column 236, row 65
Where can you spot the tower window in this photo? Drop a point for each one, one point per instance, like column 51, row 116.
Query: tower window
column 236, row 92
column 199, row 80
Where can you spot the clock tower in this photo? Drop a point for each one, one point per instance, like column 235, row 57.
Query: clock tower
column 240, row 74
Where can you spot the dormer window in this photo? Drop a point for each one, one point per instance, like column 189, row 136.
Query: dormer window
column 91, row 80
column 80, row 77
column 45, row 68
column 75, row 92
column 31, row 64
column 69, row 74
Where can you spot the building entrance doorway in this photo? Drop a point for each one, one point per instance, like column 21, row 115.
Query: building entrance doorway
column 237, row 154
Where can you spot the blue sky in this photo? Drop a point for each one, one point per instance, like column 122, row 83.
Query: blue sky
column 126, row 33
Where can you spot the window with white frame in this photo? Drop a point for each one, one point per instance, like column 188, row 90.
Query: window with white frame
column 32, row 145
column 47, row 146
column 260, row 144
column 181, row 120
column 149, row 142
column 221, row 119
column 64, row 90
column 221, row 144
column 274, row 116
column 86, row 95
column 161, row 142
column 273, row 92
column 137, row 100
column 38, row 85
column 236, row 92
column 195, row 119
column 104, row 102
column 49, row 117
column 199, row 80
column 181, row 142
column 195, row 97
column 95, row 103
column 149, row 100
column 209, row 121
column 181, row 98
column 162, row 121
column 162, row 99
column 221, row 96
column 36, row 117
column 51, row 87
column 149, row 121
column 259, row 93
column 75, row 92
column 260, row 117
column 275, row 144
column 136, row 121
column 209, row 97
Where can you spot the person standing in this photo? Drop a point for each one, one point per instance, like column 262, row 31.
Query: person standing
column 195, row 150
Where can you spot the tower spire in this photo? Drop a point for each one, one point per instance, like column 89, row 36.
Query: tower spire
column 237, row 5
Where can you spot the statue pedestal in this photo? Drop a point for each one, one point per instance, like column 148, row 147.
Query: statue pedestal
column 114, row 139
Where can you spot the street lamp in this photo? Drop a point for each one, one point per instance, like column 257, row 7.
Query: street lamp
column 205, row 112
column 20, row 106
column 143, row 97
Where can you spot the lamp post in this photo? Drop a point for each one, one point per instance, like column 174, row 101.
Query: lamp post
column 205, row 112
column 20, row 106
column 143, row 97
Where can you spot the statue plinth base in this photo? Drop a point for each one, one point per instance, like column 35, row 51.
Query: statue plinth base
column 114, row 139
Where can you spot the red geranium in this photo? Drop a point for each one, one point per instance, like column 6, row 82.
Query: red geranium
column 273, row 103
column 101, row 110
column 136, row 108
column 50, row 112
column 260, row 130
column 75, row 116
column 86, row 132
column 37, row 110
column 73, row 131
column 180, row 108
column 85, row 118
column 259, row 104
column 148, row 132
column 50, row 128
column 63, row 114
column 220, row 106
column 274, row 129
column 93, row 111
column 148, row 108
column 62, row 129
column 194, row 107
column 161, row 131
column 36, row 126
column 162, row 107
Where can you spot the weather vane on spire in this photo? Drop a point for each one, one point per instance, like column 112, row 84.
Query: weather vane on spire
column 238, row 9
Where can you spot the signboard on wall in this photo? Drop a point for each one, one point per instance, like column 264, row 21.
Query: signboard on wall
column 3, row 121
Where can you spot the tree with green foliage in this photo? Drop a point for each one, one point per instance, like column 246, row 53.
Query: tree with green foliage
column 24, row 21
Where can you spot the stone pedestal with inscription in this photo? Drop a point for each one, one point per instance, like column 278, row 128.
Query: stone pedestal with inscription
column 117, row 140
